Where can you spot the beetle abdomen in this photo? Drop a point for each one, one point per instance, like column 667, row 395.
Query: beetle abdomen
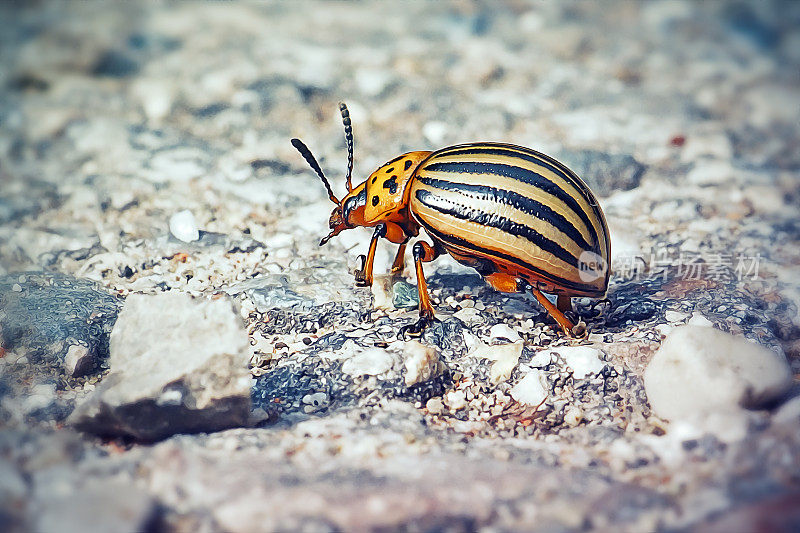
column 525, row 212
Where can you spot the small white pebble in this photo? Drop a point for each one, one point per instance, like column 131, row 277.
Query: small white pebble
column 16, row 287
column 541, row 359
column 456, row 400
column 170, row 397
column 435, row 406
column 573, row 416
column 315, row 402
column 529, row 390
column 583, row 360
column 503, row 331
column 183, row 226
column 434, row 131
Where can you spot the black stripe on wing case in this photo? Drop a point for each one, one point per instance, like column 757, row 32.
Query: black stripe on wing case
column 520, row 174
column 518, row 201
column 525, row 154
column 464, row 212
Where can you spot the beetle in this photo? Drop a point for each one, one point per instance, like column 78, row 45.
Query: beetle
column 522, row 219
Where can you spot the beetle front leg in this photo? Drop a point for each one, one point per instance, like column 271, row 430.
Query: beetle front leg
column 423, row 253
column 364, row 274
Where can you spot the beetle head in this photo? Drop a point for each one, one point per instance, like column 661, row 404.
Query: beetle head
column 349, row 214
column 346, row 213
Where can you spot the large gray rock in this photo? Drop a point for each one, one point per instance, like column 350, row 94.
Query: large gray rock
column 178, row 365
column 699, row 371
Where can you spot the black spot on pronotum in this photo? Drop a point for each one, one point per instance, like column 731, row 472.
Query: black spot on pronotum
column 391, row 184
column 375, row 201
column 407, row 164
column 390, row 170
column 374, row 179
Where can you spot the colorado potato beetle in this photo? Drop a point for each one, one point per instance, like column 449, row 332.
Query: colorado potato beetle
column 520, row 218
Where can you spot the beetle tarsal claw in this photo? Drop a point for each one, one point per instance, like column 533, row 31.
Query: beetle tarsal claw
column 417, row 328
column 360, row 275
column 579, row 330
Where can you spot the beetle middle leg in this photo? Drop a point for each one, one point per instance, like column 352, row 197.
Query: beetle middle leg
column 423, row 253
column 399, row 263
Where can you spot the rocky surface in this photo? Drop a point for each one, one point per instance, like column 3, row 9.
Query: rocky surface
column 145, row 157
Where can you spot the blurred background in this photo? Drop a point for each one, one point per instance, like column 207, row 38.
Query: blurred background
column 144, row 98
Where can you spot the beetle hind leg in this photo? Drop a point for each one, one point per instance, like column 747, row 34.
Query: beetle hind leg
column 423, row 253
column 555, row 312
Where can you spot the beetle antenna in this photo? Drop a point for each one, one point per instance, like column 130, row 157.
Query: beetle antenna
column 348, row 137
column 309, row 157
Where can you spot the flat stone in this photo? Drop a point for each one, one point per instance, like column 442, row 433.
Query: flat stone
column 178, row 365
column 404, row 295
column 605, row 172
column 47, row 314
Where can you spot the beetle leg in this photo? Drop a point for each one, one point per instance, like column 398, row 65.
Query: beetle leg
column 423, row 253
column 364, row 274
column 399, row 263
column 563, row 321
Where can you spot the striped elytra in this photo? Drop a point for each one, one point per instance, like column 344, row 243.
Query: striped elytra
column 525, row 212
column 522, row 219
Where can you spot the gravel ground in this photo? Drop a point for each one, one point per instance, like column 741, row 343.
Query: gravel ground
column 144, row 149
